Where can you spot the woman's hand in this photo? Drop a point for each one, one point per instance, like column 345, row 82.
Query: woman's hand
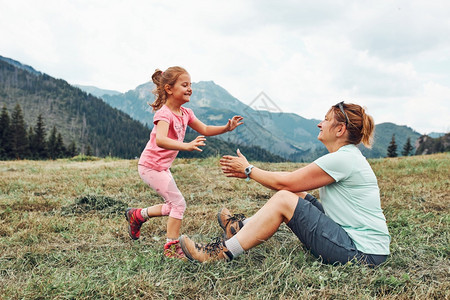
column 234, row 166
column 196, row 143
column 234, row 122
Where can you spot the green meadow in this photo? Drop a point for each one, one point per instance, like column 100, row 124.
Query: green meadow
column 63, row 235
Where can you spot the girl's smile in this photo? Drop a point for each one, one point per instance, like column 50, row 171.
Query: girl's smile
column 182, row 89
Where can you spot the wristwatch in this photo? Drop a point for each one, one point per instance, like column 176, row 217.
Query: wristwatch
column 248, row 170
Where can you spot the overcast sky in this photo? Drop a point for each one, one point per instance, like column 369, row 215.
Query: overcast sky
column 393, row 57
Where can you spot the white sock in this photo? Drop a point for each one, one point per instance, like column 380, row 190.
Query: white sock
column 246, row 220
column 144, row 214
column 234, row 246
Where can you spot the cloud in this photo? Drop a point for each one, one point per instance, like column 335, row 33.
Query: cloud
column 402, row 30
column 305, row 55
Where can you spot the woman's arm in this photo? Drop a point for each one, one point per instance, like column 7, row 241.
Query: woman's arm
column 304, row 179
column 209, row 130
column 163, row 141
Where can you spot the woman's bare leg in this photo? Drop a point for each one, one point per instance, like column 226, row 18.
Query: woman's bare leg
column 262, row 225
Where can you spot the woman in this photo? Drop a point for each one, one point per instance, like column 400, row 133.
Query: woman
column 348, row 224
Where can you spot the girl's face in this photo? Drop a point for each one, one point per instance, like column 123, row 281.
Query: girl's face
column 181, row 91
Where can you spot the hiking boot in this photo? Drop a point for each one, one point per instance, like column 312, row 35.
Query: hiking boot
column 230, row 224
column 173, row 249
column 134, row 224
column 212, row 251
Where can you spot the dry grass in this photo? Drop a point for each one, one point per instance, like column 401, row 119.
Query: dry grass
column 63, row 235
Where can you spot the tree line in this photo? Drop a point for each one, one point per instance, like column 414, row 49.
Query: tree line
column 18, row 141
column 426, row 145
column 392, row 148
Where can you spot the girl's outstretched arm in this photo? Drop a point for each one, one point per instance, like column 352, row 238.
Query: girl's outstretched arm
column 163, row 141
column 209, row 130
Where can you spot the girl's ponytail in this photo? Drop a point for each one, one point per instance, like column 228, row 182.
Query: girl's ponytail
column 156, row 77
column 158, row 91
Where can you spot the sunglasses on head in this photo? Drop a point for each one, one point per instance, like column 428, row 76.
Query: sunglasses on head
column 341, row 107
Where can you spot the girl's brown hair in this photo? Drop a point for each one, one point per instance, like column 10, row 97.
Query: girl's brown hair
column 160, row 79
column 360, row 126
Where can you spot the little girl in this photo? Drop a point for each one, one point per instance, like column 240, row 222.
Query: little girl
column 173, row 89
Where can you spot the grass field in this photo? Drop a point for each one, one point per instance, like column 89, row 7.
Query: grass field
column 63, row 235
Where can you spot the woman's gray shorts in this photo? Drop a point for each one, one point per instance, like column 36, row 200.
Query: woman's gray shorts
column 324, row 237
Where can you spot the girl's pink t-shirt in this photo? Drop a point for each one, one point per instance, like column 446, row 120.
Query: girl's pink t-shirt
column 158, row 158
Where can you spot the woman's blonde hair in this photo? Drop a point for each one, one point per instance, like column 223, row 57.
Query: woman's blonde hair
column 360, row 126
column 160, row 79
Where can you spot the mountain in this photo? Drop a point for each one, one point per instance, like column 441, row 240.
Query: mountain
column 95, row 91
column 383, row 136
column 280, row 133
column 79, row 117
column 285, row 134
column 428, row 145
column 436, row 134
column 86, row 119
column 19, row 65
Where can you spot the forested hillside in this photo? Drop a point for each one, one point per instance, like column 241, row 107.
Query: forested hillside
column 429, row 145
column 83, row 119
column 383, row 136
column 79, row 117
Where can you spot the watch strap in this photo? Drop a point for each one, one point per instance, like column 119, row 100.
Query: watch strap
column 248, row 170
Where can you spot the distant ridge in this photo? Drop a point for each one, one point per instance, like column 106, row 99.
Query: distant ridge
column 79, row 117
column 285, row 134
column 436, row 134
column 429, row 145
column 95, row 91
column 87, row 119
column 19, row 65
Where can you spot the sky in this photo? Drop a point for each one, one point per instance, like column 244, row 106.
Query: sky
column 392, row 57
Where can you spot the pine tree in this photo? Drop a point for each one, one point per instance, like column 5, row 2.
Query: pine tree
column 30, row 141
column 51, row 144
column 5, row 135
column 88, row 150
column 407, row 148
column 60, row 149
column 39, row 144
column 19, row 134
column 72, row 149
column 392, row 148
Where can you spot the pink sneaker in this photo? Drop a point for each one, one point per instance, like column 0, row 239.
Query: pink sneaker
column 173, row 249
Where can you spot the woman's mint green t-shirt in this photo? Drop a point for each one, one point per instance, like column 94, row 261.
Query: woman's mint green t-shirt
column 353, row 201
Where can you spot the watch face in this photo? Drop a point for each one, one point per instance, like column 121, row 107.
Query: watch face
column 248, row 170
